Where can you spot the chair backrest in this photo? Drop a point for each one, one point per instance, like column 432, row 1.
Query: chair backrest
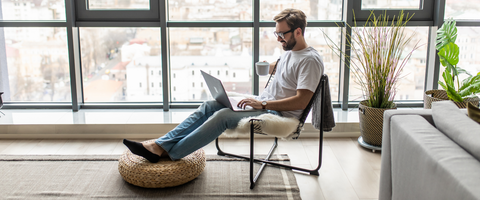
column 314, row 98
column 272, row 75
column 1, row 101
column 306, row 111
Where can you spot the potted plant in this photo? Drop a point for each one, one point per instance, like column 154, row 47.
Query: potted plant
column 378, row 56
column 460, row 92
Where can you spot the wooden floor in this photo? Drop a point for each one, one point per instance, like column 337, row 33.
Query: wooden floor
column 348, row 171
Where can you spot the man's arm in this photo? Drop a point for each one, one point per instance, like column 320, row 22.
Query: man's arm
column 297, row 102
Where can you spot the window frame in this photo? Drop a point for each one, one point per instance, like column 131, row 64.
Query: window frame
column 114, row 15
column 424, row 14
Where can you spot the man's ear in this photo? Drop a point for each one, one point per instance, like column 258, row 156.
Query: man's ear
column 298, row 32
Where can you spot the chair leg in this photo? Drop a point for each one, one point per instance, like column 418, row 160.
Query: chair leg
column 253, row 180
column 266, row 161
column 220, row 152
column 250, row 158
column 310, row 171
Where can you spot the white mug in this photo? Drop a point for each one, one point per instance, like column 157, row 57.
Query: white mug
column 262, row 68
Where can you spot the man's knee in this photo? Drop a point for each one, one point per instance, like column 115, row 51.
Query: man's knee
column 212, row 105
column 224, row 113
column 225, row 117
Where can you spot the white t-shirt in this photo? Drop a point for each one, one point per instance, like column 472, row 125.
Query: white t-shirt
column 295, row 70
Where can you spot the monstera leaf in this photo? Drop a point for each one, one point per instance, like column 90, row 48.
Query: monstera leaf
column 470, row 80
column 446, row 34
column 470, row 86
column 462, row 71
column 448, row 78
column 449, row 57
column 449, row 87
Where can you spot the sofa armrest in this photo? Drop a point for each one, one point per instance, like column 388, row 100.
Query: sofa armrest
column 385, row 171
column 423, row 163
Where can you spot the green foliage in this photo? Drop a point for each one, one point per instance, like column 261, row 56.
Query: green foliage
column 377, row 56
column 449, row 57
column 446, row 34
column 448, row 52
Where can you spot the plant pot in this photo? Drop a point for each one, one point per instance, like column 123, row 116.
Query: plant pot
column 431, row 96
column 371, row 123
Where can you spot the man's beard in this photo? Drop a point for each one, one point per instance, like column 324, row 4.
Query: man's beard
column 290, row 44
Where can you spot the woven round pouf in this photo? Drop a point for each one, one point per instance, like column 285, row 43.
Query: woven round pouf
column 165, row 173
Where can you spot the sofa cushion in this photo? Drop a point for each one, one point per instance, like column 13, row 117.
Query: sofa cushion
column 457, row 126
column 473, row 112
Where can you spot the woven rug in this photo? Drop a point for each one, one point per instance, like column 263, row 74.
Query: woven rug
column 97, row 177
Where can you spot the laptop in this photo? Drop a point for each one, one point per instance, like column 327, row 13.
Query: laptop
column 218, row 93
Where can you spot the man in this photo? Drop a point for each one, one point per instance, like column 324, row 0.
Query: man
column 297, row 75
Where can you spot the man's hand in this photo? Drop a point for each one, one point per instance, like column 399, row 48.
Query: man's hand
column 250, row 102
column 297, row 102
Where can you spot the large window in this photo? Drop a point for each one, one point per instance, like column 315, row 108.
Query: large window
column 271, row 50
column 462, row 9
column 392, row 4
column 313, row 9
column 118, row 5
column 181, row 10
column 37, row 65
column 121, row 64
column 32, row 10
column 150, row 53
column 225, row 53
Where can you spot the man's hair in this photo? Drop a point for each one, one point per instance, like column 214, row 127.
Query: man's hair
column 294, row 18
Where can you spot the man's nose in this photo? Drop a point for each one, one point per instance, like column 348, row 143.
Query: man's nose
column 279, row 38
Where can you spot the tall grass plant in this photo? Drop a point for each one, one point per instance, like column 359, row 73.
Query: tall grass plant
column 378, row 56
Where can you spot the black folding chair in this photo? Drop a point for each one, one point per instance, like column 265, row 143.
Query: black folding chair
column 255, row 128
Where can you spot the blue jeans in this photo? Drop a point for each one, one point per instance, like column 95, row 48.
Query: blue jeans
column 203, row 126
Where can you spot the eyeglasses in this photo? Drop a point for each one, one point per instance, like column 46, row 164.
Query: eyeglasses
column 282, row 35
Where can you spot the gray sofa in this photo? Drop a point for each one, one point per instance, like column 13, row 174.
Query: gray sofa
column 430, row 154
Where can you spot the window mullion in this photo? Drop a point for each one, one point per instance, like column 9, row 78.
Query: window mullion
column 344, row 70
column 256, row 44
column 165, row 56
column 74, row 56
column 433, row 62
